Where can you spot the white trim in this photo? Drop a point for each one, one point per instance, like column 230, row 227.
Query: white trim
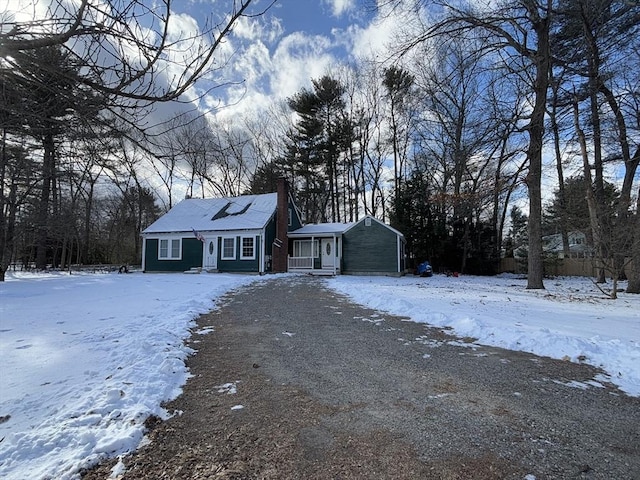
column 235, row 244
column 205, row 252
column 253, row 250
column 350, row 226
column 169, row 255
column 144, row 254
column 261, row 266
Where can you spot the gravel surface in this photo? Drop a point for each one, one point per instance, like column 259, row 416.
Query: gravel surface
column 297, row 382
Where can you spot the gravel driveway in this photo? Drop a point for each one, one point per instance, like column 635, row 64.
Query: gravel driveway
column 297, row 382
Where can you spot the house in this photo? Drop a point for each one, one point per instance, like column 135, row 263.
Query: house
column 365, row 247
column 264, row 233
column 578, row 245
column 238, row 234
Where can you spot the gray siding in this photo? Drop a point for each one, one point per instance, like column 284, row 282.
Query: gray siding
column 372, row 249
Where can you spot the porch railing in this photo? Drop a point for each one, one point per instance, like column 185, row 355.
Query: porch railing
column 300, row 263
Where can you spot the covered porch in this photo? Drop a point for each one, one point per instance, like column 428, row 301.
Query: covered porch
column 316, row 249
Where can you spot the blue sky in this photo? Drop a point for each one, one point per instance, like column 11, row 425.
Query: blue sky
column 269, row 57
column 318, row 17
column 295, row 41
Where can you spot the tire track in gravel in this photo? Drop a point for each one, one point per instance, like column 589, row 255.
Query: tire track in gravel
column 297, row 382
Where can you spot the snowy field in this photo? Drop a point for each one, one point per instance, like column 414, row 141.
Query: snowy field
column 87, row 358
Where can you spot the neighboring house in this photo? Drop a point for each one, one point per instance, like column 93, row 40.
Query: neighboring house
column 263, row 233
column 578, row 247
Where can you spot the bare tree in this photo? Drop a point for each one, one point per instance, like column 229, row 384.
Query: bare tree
column 520, row 31
column 102, row 35
column 89, row 61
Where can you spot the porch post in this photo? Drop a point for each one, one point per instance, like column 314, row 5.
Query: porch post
column 313, row 253
column 335, row 254
column 261, row 254
column 144, row 251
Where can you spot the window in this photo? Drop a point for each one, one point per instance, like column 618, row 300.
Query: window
column 229, row 248
column 302, row 248
column 170, row 249
column 248, row 251
column 290, row 219
column 367, row 222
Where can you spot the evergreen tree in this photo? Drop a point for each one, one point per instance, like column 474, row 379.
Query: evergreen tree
column 315, row 147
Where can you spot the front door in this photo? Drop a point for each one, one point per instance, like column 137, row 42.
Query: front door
column 328, row 254
column 211, row 253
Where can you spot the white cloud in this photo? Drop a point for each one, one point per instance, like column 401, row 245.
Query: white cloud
column 272, row 77
column 378, row 38
column 340, row 7
column 21, row 11
column 266, row 29
column 297, row 60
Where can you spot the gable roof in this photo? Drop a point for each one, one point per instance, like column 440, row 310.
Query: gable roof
column 246, row 212
column 319, row 229
column 329, row 229
column 389, row 227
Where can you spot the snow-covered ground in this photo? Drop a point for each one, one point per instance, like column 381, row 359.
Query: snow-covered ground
column 86, row 358
column 571, row 319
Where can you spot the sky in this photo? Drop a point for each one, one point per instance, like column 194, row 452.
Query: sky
column 295, row 41
column 276, row 53
column 271, row 57
column 86, row 358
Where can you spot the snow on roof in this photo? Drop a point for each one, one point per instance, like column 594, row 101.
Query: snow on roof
column 217, row 214
column 321, row 229
column 327, row 229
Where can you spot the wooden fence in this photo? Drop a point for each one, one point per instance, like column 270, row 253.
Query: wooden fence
column 570, row 267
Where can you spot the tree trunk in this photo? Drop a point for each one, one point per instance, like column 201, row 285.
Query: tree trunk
column 48, row 177
column 634, row 277
column 564, row 230
column 6, row 225
column 542, row 60
column 589, row 195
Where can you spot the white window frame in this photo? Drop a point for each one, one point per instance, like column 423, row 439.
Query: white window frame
column 222, row 248
column 315, row 247
column 253, row 247
column 170, row 244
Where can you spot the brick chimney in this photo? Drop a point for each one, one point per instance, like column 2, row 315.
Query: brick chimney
column 281, row 242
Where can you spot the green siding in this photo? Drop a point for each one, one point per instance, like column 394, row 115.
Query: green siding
column 191, row 256
column 238, row 265
column 296, row 223
column 372, row 249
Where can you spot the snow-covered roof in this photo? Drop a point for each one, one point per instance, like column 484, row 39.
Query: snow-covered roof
column 217, row 214
column 319, row 229
column 337, row 228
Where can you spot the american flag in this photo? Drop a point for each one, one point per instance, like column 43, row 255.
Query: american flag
column 198, row 235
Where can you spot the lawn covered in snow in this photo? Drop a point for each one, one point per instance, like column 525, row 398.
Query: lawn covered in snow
column 87, row 358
